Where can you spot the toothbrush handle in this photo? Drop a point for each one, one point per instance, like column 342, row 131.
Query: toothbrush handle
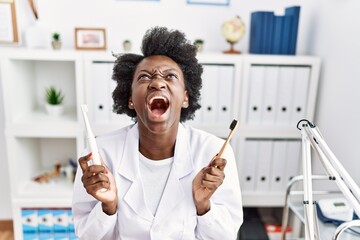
column 95, row 151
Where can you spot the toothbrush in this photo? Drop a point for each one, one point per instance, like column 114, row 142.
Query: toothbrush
column 91, row 137
column 232, row 127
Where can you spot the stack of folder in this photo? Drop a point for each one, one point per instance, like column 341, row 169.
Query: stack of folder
column 268, row 164
column 271, row 34
column 277, row 95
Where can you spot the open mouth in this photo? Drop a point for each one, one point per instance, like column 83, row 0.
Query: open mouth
column 158, row 105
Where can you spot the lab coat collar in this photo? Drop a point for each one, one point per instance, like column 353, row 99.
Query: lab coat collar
column 173, row 192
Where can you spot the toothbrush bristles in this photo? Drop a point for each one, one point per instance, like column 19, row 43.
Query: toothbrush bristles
column 233, row 124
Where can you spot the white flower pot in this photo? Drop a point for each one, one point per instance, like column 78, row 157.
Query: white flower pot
column 54, row 110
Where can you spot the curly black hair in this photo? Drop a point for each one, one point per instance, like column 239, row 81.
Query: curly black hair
column 159, row 41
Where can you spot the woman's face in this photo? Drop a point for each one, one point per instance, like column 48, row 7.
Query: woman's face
column 158, row 93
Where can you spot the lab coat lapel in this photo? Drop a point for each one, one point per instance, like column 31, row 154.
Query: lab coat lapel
column 182, row 166
column 129, row 168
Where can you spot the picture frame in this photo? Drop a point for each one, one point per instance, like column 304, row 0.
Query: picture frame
column 9, row 33
column 90, row 38
column 210, row 2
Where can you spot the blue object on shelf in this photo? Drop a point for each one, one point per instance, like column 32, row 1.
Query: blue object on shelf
column 277, row 34
column 295, row 13
column 286, row 36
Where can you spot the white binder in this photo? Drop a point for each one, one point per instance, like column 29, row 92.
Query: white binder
column 248, row 165
column 114, row 117
column 256, row 83
column 262, row 182
column 293, row 162
column 209, row 94
column 301, row 83
column 100, row 92
column 224, row 96
column 285, row 95
column 277, row 181
column 270, row 95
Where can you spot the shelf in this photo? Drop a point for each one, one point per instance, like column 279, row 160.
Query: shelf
column 54, row 189
column 35, row 156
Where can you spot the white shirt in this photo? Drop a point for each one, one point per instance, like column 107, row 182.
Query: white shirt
column 154, row 175
column 176, row 216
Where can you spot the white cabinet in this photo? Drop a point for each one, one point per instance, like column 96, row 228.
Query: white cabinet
column 267, row 94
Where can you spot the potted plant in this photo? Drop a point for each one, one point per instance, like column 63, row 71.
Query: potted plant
column 54, row 101
column 199, row 43
column 56, row 41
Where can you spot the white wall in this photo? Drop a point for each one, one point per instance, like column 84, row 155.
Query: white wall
column 327, row 29
column 335, row 38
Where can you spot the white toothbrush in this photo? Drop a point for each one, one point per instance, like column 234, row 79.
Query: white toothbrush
column 91, row 137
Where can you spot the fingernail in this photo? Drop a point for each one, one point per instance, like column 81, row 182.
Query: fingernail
column 89, row 155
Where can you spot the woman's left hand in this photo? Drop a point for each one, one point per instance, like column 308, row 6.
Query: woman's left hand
column 206, row 182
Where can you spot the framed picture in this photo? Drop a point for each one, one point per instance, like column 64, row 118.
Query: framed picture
column 8, row 23
column 210, row 2
column 90, row 38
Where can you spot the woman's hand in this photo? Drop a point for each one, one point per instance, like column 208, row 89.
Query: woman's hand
column 205, row 184
column 99, row 183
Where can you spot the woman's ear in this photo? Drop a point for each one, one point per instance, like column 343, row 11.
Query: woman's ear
column 130, row 104
column 185, row 103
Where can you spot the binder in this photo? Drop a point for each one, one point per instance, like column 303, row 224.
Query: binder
column 286, row 35
column 224, row 96
column 277, row 34
column 295, row 13
column 114, row 117
column 285, row 95
column 256, row 31
column 100, row 94
column 210, row 93
column 249, row 165
column 270, row 95
column 301, row 84
column 268, row 32
column 293, row 160
column 256, row 83
column 277, row 181
column 262, row 182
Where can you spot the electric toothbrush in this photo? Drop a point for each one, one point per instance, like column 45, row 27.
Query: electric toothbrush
column 91, row 137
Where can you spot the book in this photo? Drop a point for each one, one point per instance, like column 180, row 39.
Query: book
column 295, row 13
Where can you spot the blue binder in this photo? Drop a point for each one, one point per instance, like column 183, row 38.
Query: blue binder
column 277, row 34
column 295, row 13
column 286, row 35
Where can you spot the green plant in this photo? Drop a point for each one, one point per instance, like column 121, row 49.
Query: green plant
column 56, row 36
column 198, row 41
column 54, row 96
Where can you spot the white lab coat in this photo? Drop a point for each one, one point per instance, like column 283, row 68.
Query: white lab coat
column 176, row 215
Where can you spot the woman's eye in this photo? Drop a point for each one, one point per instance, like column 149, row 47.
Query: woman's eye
column 144, row 77
column 171, row 76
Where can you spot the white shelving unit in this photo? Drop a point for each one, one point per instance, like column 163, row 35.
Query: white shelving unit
column 36, row 141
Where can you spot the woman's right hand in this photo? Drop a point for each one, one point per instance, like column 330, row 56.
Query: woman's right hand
column 99, row 183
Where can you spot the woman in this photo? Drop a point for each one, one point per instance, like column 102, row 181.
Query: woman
column 159, row 176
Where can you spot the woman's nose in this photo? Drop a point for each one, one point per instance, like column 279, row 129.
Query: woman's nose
column 157, row 83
